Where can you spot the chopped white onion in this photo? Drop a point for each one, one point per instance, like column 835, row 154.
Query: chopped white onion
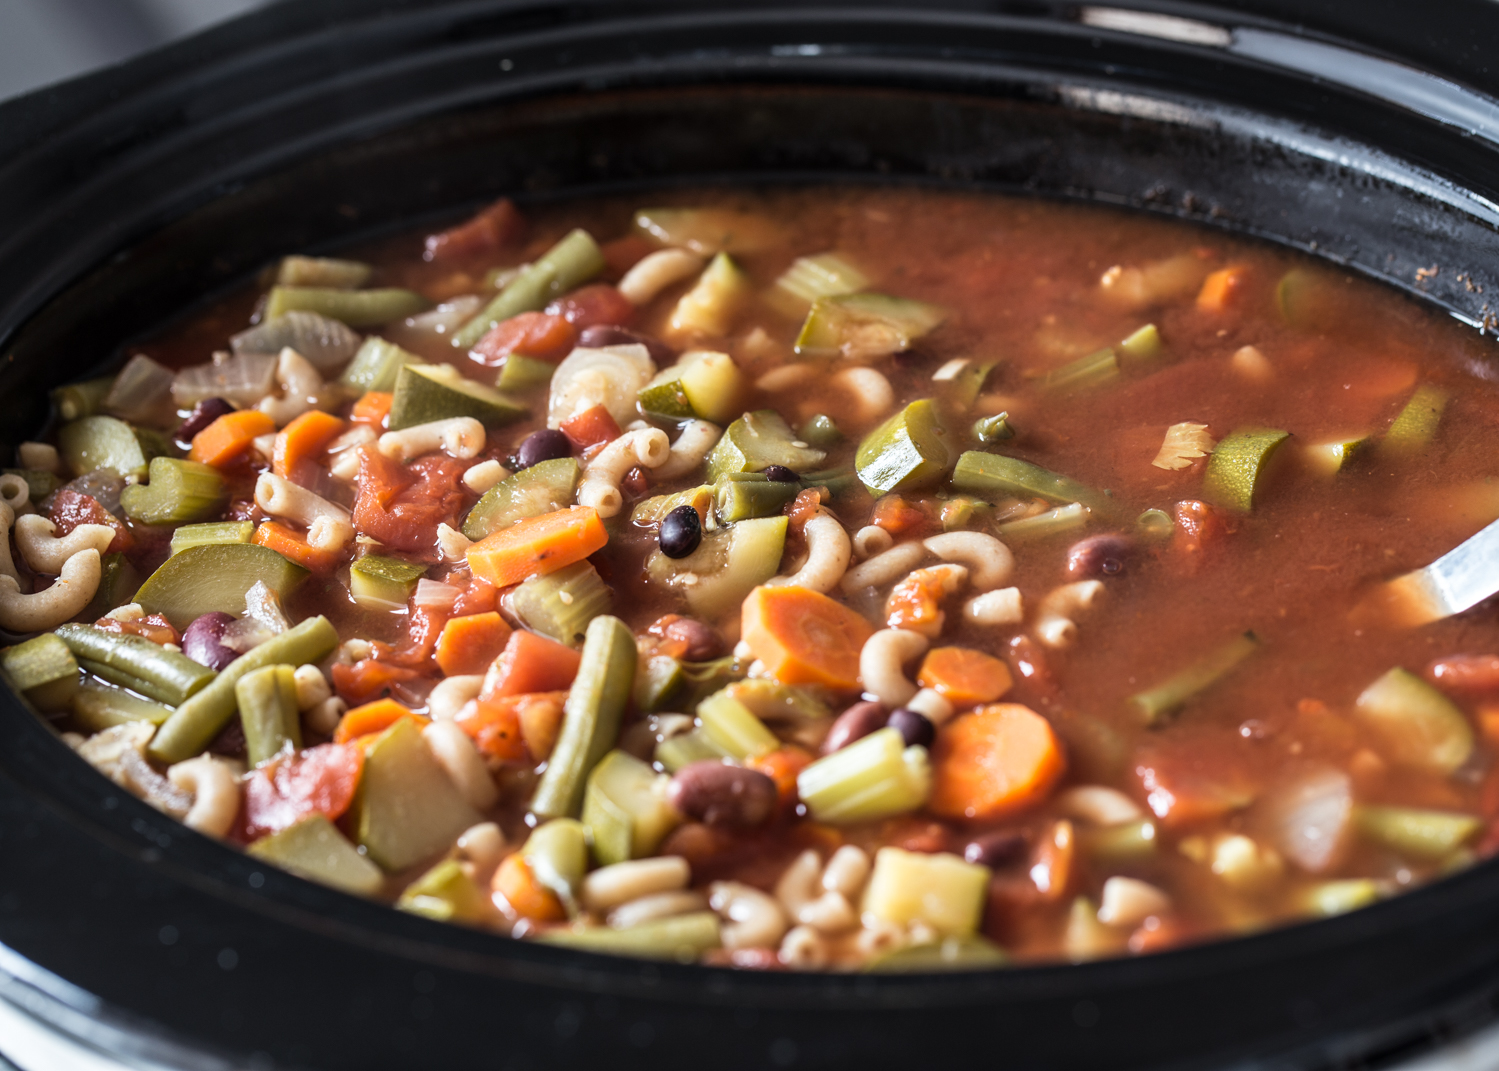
column 432, row 595
column 142, row 392
column 242, row 380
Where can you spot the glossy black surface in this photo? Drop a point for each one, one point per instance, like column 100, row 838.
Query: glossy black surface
column 137, row 191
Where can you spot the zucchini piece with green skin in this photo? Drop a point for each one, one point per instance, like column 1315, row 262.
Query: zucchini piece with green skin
column 1156, row 704
column 178, row 492
column 568, row 264
column 995, row 476
column 215, row 577
column 545, row 487
column 43, row 670
column 356, row 308
column 267, row 701
column 1094, row 370
column 1414, row 724
column 864, row 326
column 715, row 299
column 649, row 512
column 38, row 484
column 556, row 853
column 732, row 728
column 136, row 663
column 726, row 566
column 78, row 400
column 562, row 603
column 211, row 534
column 938, row 889
column 326, row 272
column 625, row 809
column 704, row 383
column 104, row 442
column 314, row 849
column 1328, row 458
column 1237, row 465
column 425, row 393
column 1416, row 831
column 97, row 707
column 874, row 777
column 406, row 808
column 1141, row 347
column 682, row 938
column 969, row 953
column 447, row 894
column 664, row 399
column 738, row 496
column 906, row 452
column 376, row 364
column 118, row 581
column 378, row 582
column 1416, row 425
column 591, row 716
column 810, row 278
column 758, row 440
column 200, row 718
column 521, row 373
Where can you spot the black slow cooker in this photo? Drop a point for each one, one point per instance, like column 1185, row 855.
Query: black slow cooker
column 1363, row 132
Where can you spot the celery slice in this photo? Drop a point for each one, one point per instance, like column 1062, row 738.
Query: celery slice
column 707, row 231
column 1094, row 370
column 211, row 534
column 447, row 894
column 685, row 748
column 810, row 278
column 178, row 492
column 78, row 400
column 561, row 604
column 1141, row 346
column 872, row 778
column 1053, row 522
column 731, row 727
column 625, row 809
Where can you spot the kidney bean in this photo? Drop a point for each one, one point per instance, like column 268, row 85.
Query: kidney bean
column 601, row 335
column 687, row 639
column 1100, row 555
column 201, row 640
column 548, row 444
column 997, row 849
column 1030, row 665
column 717, row 794
column 855, row 723
column 914, row 727
column 203, row 414
column 1465, row 673
column 594, row 306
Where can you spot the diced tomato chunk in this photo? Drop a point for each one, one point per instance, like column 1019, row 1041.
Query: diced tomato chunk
column 71, row 508
column 593, row 305
column 592, row 427
column 494, row 228
column 531, row 663
column 543, row 335
column 494, row 725
column 320, row 780
column 624, row 253
column 152, row 627
column 1200, row 529
column 368, row 680
column 402, row 505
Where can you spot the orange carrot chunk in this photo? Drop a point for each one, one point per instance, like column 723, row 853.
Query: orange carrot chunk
column 526, row 896
column 278, row 537
column 804, row 637
column 782, row 766
column 372, row 408
column 993, row 762
column 963, row 676
column 371, row 718
column 531, row 663
column 469, row 644
column 538, row 545
column 229, row 436
column 301, row 443
column 1223, row 288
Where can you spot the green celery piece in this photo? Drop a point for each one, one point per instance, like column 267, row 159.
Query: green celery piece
column 1416, row 425
column 38, row 484
column 560, row 604
column 874, row 777
column 215, row 577
column 625, row 809
column 726, row 566
column 356, row 308
column 865, row 325
column 684, row 749
column 682, row 938
column 1059, row 521
column 424, row 393
column 969, row 953
column 43, row 670
column 78, row 400
column 178, row 492
column 447, row 894
column 406, row 809
column 1237, row 464
column 908, row 451
column 1155, row 704
column 545, row 487
column 520, row 373
column 757, row 440
column 104, row 442
column 97, row 707
column 267, row 700
column 731, row 727
column 1094, row 370
column 314, row 849
column 1414, row 724
column 379, row 582
column 376, row 364
column 213, row 533
column 568, row 264
column 657, row 683
column 809, row 278
column 322, row 272
column 994, row 476
column 738, row 496
column 1416, row 831
column 136, row 663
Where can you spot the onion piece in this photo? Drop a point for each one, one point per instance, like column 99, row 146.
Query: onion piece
column 326, row 343
column 430, row 332
column 434, row 595
column 142, row 392
column 1308, row 818
column 243, row 380
column 611, row 377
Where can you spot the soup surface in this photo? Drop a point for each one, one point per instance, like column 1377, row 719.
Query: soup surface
column 830, row 578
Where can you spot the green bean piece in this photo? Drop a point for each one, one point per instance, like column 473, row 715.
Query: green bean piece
column 267, row 699
column 1053, row 522
column 215, row 577
column 322, row 272
column 78, row 400
column 821, row 431
column 568, row 264
column 1155, row 704
column 590, row 720
column 684, row 749
column 356, row 308
column 38, row 484
column 43, row 670
column 835, row 481
column 97, row 707
column 1236, row 467
column 993, row 429
column 178, row 492
column 682, row 938
column 198, row 720
column 376, row 364
column 738, row 496
column 136, row 663
column 1415, row 831
column 1417, row 423
column 383, row 583
column 995, row 476
column 211, row 534
column 545, row 487
column 1094, row 370
column 104, row 442
column 561, row 604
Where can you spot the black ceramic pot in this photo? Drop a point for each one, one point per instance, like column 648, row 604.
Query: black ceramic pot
column 1358, row 131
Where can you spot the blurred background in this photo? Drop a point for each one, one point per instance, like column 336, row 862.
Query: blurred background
column 44, row 41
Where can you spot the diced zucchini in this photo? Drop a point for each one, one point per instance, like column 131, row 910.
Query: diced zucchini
column 425, row 393
column 625, row 809
column 1328, row 898
column 1416, row 425
column 521, row 373
column 376, row 364
column 732, row 728
column 322, row 271
column 43, row 670
column 707, row 231
column 215, row 577
column 103, row 442
column 681, row 937
column 739, row 496
column 865, row 326
column 936, row 889
column 447, row 894
column 1237, row 465
column 381, row 583
column 727, row 565
column 561, row 604
column 557, row 854
column 796, row 712
column 543, row 488
column 211, row 534
column 874, row 777
column 704, row 383
column 1141, row 346
column 357, row 308
column 970, row 953
column 406, row 808
column 757, row 440
column 994, row 476
column 715, row 299
column 1416, row 831
column 568, row 264
column 810, row 278
column 179, row 492
column 1414, row 724
column 906, row 452
column 314, row 849
column 97, row 707
column 1155, row 704
column 1328, row 458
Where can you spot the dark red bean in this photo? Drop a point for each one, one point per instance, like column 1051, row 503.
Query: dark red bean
column 1099, row 556
column 717, row 794
column 548, row 444
column 995, row 850
column 855, row 723
column 1030, row 665
column 203, row 414
column 1465, row 673
column 201, row 640
column 779, row 474
column 594, row 306
column 600, row 336
column 688, row 639
column 914, row 727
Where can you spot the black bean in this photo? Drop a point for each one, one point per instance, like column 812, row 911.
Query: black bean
column 201, row 640
column 995, row 849
column 681, row 532
column 915, row 727
column 855, row 723
column 1100, row 555
column 779, row 474
column 203, row 414
column 720, row 795
column 548, row 444
column 601, row 335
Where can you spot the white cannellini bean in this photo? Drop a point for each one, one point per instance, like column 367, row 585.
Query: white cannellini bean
column 871, row 540
column 50, row 607
column 329, row 527
column 753, row 919
column 484, row 475
column 786, row 377
column 696, row 438
column 869, row 390
column 1098, row 804
column 798, row 884
column 461, row 437
column 215, row 787
column 828, row 551
column 932, row 705
column 1055, row 626
column 656, row 271
column 483, row 845
column 599, row 485
column 882, row 661
column 989, row 561
column 1129, row 902
column 312, row 687
column 610, row 886
column 450, row 694
column 884, row 568
column 39, row 457
column 46, row 552
column 456, row 752
column 656, row 906
column 1001, row 607
column 324, row 717
column 847, row 871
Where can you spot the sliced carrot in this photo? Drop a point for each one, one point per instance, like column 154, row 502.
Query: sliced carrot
column 301, row 443
column 538, row 545
column 898, row 515
column 469, row 644
column 995, row 761
column 804, row 637
column 781, row 766
column 964, row 676
column 371, row 718
column 372, row 408
column 368, row 680
column 1223, row 288
column 591, row 427
column 1488, row 722
column 278, row 537
column 229, row 436
column 526, row 896
column 542, row 335
column 531, row 663
column 495, row 727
